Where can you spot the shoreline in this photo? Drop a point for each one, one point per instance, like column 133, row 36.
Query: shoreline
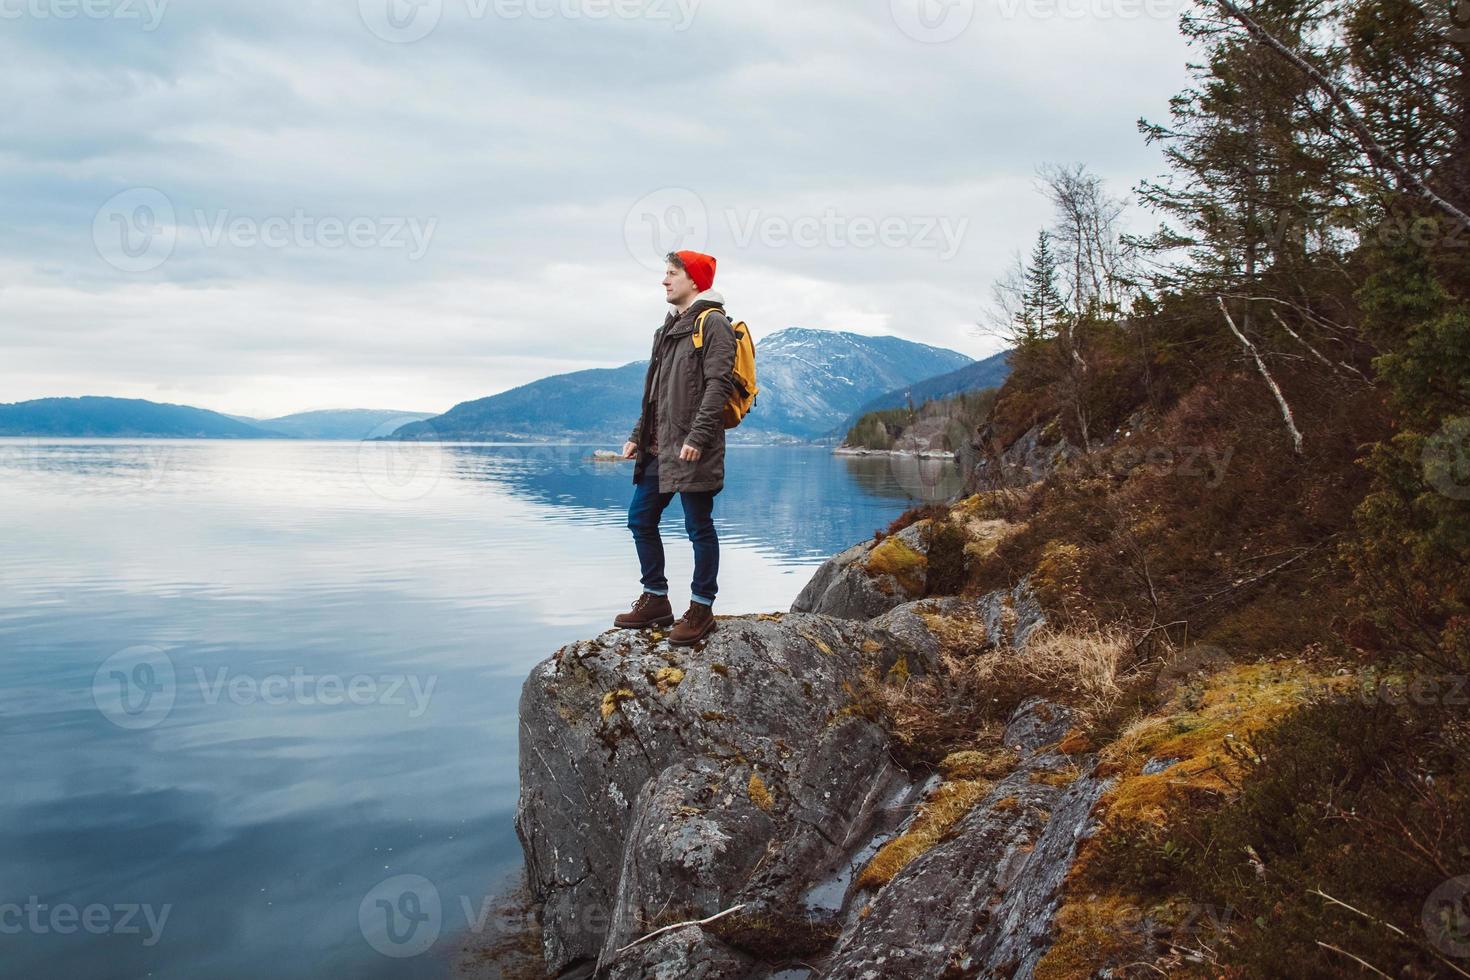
column 917, row 454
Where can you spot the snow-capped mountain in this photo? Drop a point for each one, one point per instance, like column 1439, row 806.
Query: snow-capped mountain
column 810, row 380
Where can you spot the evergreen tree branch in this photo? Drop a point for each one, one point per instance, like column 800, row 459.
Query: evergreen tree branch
column 1355, row 123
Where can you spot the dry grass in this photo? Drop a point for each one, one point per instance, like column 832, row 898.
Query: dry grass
column 1192, row 518
column 971, row 764
column 1084, row 669
column 964, row 704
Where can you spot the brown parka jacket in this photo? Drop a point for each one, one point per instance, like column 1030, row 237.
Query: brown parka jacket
column 692, row 387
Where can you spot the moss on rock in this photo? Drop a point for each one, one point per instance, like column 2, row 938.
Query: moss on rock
column 895, row 558
column 937, row 815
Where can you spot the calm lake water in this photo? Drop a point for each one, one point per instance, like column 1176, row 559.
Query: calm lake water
column 245, row 687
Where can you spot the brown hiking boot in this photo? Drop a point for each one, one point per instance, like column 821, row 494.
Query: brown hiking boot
column 693, row 626
column 648, row 610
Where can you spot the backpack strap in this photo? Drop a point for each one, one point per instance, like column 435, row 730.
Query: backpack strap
column 699, row 327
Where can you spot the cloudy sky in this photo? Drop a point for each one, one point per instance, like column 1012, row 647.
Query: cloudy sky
column 282, row 205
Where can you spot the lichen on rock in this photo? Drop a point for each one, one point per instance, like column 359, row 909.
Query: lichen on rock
column 719, row 808
column 755, row 772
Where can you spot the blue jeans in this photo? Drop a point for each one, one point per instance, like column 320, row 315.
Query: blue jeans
column 643, row 517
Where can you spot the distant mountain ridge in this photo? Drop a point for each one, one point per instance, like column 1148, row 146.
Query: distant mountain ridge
column 810, row 381
column 345, row 423
column 137, row 418
column 975, row 376
column 121, row 418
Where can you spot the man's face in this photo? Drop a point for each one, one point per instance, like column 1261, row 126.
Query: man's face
column 678, row 287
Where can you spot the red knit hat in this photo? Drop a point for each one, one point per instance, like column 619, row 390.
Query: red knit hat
column 701, row 268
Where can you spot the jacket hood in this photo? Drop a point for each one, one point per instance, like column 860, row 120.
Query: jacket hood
column 678, row 324
column 708, row 296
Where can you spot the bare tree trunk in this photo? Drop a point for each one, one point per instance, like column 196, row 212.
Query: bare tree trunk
column 1318, row 354
column 1087, row 218
column 1296, row 436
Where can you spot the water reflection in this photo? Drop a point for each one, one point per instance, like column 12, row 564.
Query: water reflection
column 266, row 802
column 794, row 502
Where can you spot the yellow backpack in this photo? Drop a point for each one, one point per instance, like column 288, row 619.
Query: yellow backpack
column 742, row 396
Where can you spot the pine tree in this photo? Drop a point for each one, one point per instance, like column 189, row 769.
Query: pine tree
column 1411, row 82
column 1042, row 311
column 1259, row 190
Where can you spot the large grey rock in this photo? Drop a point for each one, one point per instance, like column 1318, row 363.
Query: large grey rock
column 1019, row 930
column 1012, row 615
column 661, row 784
column 910, row 626
column 981, row 902
column 1036, row 722
column 1003, row 618
column 846, row 586
column 1032, row 457
column 680, row 954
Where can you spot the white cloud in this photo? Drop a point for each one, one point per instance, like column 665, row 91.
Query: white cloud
column 526, row 142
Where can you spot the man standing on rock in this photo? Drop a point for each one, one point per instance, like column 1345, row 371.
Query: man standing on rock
column 679, row 445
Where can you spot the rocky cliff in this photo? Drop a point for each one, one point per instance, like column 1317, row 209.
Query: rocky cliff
column 740, row 809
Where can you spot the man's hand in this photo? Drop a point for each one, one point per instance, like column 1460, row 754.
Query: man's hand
column 689, row 452
column 630, row 449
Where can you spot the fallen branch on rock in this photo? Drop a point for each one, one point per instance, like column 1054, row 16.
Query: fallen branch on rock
column 680, row 925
